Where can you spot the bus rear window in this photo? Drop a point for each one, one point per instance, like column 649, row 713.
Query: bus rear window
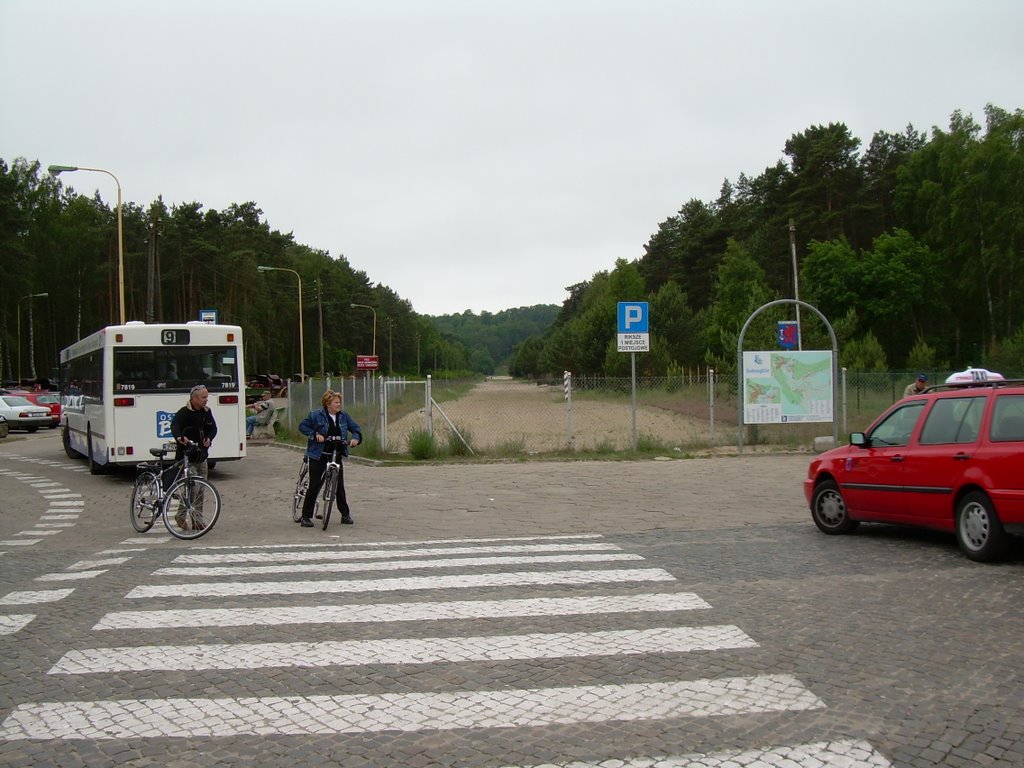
column 175, row 369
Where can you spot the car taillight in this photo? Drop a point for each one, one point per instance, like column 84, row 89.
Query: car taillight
column 122, row 402
column 228, row 399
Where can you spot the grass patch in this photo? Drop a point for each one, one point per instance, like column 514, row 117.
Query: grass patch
column 421, row 445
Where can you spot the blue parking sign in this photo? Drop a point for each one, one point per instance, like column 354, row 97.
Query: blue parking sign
column 633, row 317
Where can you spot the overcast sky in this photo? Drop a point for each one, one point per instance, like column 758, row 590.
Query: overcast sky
column 476, row 154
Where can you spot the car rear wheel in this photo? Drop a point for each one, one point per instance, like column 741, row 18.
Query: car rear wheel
column 828, row 509
column 978, row 531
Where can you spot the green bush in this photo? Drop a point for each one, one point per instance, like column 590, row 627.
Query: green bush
column 422, row 445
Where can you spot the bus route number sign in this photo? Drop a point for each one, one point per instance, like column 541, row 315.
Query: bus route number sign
column 178, row 337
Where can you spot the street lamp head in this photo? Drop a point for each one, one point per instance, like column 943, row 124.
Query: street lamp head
column 263, row 269
column 57, row 170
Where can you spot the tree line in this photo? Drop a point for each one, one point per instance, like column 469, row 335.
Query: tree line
column 912, row 248
column 179, row 260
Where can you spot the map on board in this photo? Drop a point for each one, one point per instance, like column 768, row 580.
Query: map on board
column 783, row 387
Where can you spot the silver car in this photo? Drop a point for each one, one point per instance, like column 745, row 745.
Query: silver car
column 22, row 414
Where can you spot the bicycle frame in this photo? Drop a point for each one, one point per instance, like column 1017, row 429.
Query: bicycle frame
column 153, row 492
column 331, row 474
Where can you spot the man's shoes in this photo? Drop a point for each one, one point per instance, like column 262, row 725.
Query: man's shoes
column 306, row 522
column 347, row 519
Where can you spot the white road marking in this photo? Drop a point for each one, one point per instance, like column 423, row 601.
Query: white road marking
column 429, row 650
column 406, row 543
column 80, row 575
column 365, row 713
column 377, row 554
column 87, row 564
column 13, row 622
column 36, row 532
column 33, row 597
column 458, row 581
column 18, row 542
column 380, row 612
column 396, row 565
column 836, row 754
column 68, row 503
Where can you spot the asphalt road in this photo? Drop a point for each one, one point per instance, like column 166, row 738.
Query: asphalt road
column 663, row 613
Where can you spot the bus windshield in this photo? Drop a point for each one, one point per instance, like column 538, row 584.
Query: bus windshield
column 175, row 369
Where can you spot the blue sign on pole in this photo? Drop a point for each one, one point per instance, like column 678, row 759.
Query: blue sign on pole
column 633, row 317
column 788, row 334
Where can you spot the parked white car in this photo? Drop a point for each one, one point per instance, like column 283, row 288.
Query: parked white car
column 22, row 414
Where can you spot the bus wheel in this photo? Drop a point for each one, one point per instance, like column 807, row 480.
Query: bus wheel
column 95, row 468
column 65, row 436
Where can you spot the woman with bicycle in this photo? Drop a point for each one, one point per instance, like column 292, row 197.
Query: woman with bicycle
column 328, row 422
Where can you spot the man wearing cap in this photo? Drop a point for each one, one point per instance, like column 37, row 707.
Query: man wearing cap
column 917, row 387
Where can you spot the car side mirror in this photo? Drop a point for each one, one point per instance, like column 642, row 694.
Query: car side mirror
column 858, row 439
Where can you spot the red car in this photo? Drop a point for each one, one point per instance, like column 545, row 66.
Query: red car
column 48, row 400
column 950, row 458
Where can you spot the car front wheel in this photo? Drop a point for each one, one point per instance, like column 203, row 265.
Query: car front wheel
column 828, row 509
column 978, row 531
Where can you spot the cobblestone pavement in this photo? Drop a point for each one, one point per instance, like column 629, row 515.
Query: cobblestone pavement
column 671, row 613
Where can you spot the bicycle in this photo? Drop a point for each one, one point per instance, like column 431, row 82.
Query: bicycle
column 329, row 490
column 299, row 497
column 189, row 505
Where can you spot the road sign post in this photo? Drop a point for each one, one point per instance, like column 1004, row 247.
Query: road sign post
column 633, row 336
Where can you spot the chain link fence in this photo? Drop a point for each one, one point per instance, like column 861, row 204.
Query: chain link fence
column 505, row 417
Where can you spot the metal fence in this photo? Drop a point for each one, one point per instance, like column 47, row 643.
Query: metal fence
column 501, row 416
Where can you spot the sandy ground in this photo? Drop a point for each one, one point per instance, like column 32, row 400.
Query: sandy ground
column 504, row 414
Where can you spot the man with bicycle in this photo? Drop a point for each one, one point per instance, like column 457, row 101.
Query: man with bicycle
column 194, row 428
column 330, row 421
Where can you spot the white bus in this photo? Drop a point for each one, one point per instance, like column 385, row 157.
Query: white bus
column 122, row 386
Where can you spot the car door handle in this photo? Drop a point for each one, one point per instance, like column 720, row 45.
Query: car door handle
column 897, row 457
column 961, row 456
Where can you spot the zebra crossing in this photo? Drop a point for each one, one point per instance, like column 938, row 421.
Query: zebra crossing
column 64, row 506
column 463, row 598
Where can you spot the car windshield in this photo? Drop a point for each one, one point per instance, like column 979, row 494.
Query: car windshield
column 16, row 402
column 48, row 399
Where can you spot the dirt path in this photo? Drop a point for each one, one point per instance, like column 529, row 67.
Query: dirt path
column 503, row 413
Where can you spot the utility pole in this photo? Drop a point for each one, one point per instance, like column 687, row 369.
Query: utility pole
column 796, row 283
column 320, row 309
column 152, row 268
column 391, row 359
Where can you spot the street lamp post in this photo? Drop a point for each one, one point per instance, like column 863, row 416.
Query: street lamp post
column 31, row 341
column 365, row 306
column 57, row 170
column 302, row 356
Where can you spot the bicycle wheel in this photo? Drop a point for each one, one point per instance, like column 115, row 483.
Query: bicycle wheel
column 301, row 486
column 191, row 508
column 145, row 500
column 327, row 495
